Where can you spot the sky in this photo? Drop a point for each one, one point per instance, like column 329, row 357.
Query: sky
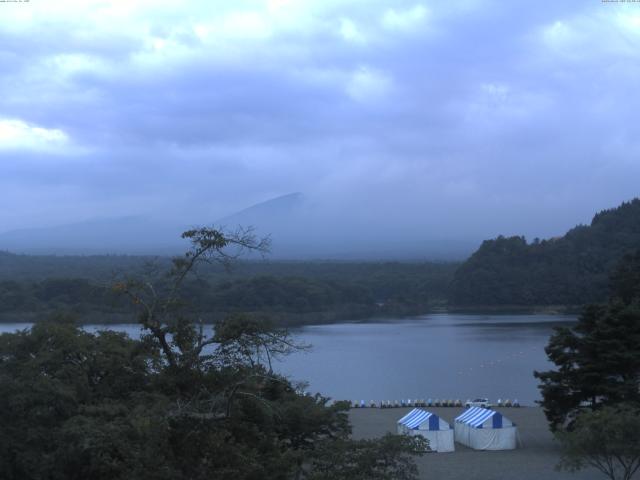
column 463, row 119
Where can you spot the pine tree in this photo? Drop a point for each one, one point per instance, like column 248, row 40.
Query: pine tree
column 598, row 359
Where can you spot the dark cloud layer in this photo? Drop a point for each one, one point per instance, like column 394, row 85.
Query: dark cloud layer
column 428, row 119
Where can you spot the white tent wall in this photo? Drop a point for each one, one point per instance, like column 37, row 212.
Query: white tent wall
column 461, row 433
column 493, row 438
column 436, row 430
column 483, row 429
column 440, row 441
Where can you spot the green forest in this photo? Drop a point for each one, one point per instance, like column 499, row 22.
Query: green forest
column 290, row 292
column 175, row 404
column 569, row 270
column 591, row 397
column 506, row 272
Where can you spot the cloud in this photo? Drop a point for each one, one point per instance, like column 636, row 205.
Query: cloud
column 365, row 85
column 17, row 134
column 473, row 117
column 350, row 31
column 404, row 19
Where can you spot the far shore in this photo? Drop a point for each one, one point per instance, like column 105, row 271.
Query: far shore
column 301, row 320
column 515, row 309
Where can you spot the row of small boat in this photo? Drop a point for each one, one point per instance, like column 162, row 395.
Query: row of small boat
column 424, row 403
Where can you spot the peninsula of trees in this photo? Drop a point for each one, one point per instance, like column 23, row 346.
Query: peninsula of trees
column 569, row 270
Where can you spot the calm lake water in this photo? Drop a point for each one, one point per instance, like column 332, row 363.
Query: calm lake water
column 432, row 356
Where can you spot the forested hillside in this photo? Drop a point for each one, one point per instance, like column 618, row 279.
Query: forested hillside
column 32, row 287
column 570, row 270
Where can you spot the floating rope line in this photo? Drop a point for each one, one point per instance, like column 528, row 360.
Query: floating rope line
column 495, row 362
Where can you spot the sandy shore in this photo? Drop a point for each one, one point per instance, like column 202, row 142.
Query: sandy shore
column 535, row 458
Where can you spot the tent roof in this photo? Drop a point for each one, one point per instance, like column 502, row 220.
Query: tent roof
column 412, row 412
column 416, row 417
column 476, row 416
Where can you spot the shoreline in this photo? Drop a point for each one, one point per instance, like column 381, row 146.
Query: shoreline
column 305, row 320
column 515, row 309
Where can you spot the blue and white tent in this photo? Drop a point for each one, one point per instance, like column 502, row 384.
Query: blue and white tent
column 430, row 426
column 484, row 429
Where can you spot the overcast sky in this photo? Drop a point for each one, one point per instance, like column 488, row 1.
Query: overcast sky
column 471, row 117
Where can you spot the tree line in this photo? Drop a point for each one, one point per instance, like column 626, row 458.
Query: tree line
column 569, row 270
column 572, row 270
column 175, row 404
column 292, row 293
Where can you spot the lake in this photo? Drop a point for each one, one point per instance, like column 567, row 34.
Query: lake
column 452, row 356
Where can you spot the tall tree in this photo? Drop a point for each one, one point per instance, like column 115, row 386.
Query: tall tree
column 598, row 360
column 177, row 404
column 157, row 297
column 607, row 440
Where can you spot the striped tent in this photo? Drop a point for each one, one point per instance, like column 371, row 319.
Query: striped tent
column 484, row 429
column 430, row 426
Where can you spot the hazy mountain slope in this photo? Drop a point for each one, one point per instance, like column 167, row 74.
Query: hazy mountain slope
column 131, row 235
column 300, row 229
column 572, row 269
column 142, row 235
column 272, row 212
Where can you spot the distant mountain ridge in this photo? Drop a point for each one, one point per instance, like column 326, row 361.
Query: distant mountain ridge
column 303, row 228
column 300, row 228
column 119, row 235
column 569, row 270
column 141, row 235
column 282, row 206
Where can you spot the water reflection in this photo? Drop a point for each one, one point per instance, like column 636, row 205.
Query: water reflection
column 433, row 356
column 437, row 356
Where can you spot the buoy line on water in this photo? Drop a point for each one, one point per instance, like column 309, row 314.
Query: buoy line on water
column 444, row 402
column 495, row 362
